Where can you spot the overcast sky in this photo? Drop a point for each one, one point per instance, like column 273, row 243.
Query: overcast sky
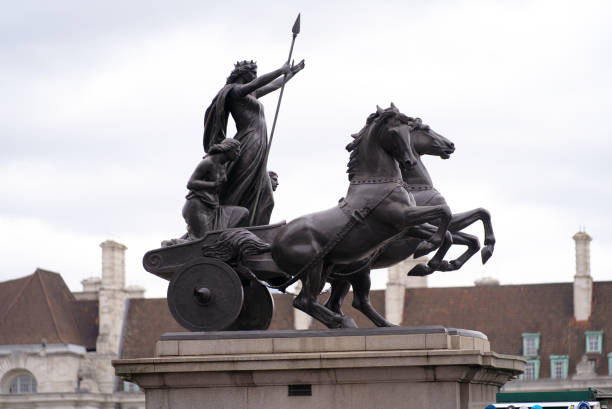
column 101, row 107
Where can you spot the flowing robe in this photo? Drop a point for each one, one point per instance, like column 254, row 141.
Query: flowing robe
column 246, row 175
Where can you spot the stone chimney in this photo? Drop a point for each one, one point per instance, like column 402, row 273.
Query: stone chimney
column 112, row 297
column 583, row 283
column 397, row 283
column 486, row 282
column 91, row 288
column 113, row 265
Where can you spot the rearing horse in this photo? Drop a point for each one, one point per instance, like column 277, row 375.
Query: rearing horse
column 377, row 210
column 424, row 141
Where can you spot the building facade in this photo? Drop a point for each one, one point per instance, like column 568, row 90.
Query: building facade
column 56, row 346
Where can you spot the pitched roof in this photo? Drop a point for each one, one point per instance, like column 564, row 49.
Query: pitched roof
column 504, row 313
column 40, row 306
column 146, row 320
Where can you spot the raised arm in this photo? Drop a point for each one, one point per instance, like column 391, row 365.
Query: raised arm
column 277, row 83
column 245, row 89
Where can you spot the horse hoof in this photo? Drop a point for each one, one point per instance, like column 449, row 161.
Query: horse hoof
column 486, row 253
column 420, row 270
column 348, row 322
column 423, row 248
column 445, row 266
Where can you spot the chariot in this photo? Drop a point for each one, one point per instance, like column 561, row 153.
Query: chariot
column 218, row 293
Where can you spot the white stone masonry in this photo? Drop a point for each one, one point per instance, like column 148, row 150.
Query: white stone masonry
column 583, row 282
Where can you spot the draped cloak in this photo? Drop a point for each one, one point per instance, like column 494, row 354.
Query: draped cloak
column 246, row 175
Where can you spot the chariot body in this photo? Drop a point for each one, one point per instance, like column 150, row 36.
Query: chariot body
column 211, row 290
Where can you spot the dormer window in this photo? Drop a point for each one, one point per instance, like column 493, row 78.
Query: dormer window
column 532, row 370
column 593, row 341
column 558, row 366
column 531, row 343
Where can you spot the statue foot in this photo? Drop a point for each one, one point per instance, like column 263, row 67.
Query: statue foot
column 424, row 248
column 486, row 253
column 420, row 270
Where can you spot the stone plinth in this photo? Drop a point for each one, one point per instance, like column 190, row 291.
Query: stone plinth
column 420, row 367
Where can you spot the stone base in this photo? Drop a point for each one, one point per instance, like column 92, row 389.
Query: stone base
column 417, row 367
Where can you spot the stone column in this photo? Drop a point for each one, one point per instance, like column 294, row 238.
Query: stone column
column 396, row 287
column 583, row 283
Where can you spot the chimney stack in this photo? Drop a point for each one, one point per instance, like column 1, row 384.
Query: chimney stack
column 583, row 283
column 397, row 283
column 113, row 265
column 112, row 298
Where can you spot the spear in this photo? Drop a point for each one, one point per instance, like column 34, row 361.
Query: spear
column 295, row 31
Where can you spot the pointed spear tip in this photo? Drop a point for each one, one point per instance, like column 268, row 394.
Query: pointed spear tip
column 296, row 25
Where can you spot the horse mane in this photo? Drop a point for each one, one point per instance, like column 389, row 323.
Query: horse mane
column 373, row 121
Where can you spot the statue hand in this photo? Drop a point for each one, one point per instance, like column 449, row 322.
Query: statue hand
column 285, row 69
column 297, row 68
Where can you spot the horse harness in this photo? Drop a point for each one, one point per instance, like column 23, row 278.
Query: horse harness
column 355, row 216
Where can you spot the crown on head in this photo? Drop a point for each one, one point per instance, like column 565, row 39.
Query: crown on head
column 245, row 63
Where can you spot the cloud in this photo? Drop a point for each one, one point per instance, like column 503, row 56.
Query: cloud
column 101, row 116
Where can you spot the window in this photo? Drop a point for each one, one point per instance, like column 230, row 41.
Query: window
column 532, row 369
column 22, row 383
column 593, row 341
column 531, row 343
column 610, row 364
column 558, row 366
column 130, row 387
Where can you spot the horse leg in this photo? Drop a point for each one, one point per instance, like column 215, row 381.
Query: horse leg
column 437, row 261
column 422, row 214
column 361, row 298
column 461, row 220
column 460, row 238
column 339, row 290
column 307, row 302
column 464, row 239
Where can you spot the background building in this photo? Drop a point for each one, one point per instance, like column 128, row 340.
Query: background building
column 56, row 346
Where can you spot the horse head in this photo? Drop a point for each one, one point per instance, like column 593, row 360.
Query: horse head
column 382, row 144
column 426, row 141
column 395, row 137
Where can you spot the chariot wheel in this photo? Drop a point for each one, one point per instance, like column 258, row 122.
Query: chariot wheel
column 257, row 308
column 205, row 295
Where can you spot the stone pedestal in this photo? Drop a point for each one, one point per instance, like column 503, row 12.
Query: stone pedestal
column 417, row 367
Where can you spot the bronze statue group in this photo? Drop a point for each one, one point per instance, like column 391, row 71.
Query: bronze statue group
column 391, row 210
